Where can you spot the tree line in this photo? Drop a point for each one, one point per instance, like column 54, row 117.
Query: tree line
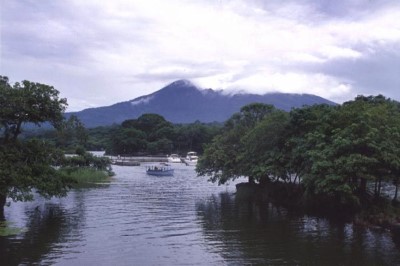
column 149, row 134
column 341, row 153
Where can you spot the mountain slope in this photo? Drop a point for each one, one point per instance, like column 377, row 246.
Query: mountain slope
column 182, row 102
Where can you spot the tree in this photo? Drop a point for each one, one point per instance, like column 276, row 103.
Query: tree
column 28, row 102
column 127, row 141
column 303, row 123
column 26, row 166
column 72, row 133
column 351, row 146
column 192, row 137
column 225, row 157
column 263, row 154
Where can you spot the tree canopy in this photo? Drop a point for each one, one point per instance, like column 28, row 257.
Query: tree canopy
column 226, row 157
column 152, row 134
column 27, row 166
column 331, row 151
column 28, row 102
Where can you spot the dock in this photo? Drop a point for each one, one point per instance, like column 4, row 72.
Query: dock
column 135, row 160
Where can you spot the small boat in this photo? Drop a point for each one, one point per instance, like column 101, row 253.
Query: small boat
column 162, row 169
column 191, row 158
column 174, row 158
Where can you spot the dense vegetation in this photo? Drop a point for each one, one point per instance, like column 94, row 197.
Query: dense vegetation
column 150, row 134
column 338, row 156
column 29, row 165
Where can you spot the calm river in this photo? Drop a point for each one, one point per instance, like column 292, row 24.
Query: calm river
column 181, row 220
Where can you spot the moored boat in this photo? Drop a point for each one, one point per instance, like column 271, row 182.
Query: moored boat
column 174, row 158
column 191, row 158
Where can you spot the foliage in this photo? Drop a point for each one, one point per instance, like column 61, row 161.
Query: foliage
column 28, row 102
column 152, row 134
column 263, row 155
column 353, row 145
column 333, row 152
column 226, row 157
column 86, row 160
column 27, row 166
column 132, row 138
column 72, row 134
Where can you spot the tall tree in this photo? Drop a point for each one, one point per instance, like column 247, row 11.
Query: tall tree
column 356, row 144
column 223, row 158
column 27, row 165
column 263, row 156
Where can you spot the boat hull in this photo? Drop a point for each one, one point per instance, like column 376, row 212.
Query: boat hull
column 160, row 172
column 191, row 158
column 174, row 160
column 190, row 162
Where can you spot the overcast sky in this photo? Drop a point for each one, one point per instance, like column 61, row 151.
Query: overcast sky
column 98, row 53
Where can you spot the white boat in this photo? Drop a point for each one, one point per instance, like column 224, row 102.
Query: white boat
column 162, row 169
column 174, row 158
column 191, row 158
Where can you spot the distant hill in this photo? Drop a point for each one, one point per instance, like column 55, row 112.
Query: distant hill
column 183, row 102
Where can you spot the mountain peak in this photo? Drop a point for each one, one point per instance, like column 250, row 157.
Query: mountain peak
column 178, row 87
column 182, row 82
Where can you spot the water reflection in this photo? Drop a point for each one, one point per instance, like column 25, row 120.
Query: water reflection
column 49, row 229
column 180, row 220
column 44, row 228
column 247, row 231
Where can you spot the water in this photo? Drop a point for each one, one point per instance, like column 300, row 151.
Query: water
column 138, row 219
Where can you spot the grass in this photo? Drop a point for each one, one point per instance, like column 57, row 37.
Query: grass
column 84, row 175
column 7, row 230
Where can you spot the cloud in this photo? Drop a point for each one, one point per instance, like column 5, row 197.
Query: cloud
column 99, row 53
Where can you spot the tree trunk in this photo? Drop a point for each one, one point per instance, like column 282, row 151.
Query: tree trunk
column 395, row 193
column 251, row 180
column 379, row 187
column 3, row 199
column 363, row 186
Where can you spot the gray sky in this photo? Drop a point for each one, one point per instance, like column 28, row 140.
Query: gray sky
column 98, row 53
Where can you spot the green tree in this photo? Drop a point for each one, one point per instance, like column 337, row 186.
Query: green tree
column 27, row 165
column 356, row 144
column 28, row 102
column 304, row 124
column 72, row 134
column 263, row 154
column 192, row 137
column 127, row 141
column 224, row 158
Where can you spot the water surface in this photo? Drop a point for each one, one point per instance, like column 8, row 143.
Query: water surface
column 138, row 219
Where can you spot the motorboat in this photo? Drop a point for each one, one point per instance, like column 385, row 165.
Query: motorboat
column 174, row 158
column 162, row 169
column 191, row 158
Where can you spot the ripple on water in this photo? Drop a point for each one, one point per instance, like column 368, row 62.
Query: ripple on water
column 138, row 219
